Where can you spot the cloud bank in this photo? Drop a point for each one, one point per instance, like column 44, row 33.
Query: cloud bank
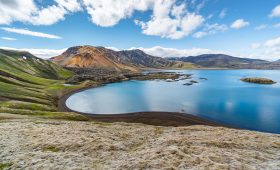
column 42, row 53
column 268, row 50
column 175, row 20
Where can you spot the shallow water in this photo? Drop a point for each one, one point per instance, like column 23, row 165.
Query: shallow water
column 222, row 98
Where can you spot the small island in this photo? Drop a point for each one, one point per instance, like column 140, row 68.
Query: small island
column 258, row 80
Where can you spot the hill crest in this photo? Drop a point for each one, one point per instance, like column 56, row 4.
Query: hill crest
column 101, row 57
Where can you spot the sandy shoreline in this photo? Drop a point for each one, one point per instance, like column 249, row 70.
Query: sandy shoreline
column 150, row 118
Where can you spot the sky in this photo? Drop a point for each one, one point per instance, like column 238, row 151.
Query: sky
column 165, row 28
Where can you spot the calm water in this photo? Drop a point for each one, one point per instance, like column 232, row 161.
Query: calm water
column 222, row 98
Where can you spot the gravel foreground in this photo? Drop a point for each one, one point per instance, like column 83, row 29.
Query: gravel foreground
column 53, row 144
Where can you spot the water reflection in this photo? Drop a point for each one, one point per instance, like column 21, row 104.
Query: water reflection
column 222, row 98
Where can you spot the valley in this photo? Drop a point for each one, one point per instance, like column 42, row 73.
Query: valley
column 32, row 86
column 139, row 84
column 34, row 123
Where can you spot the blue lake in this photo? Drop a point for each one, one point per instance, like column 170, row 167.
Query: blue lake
column 222, row 98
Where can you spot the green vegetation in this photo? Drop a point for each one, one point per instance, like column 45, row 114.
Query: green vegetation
column 50, row 149
column 158, row 75
column 4, row 166
column 182, row 65
column 32, row 86
column 258, row 80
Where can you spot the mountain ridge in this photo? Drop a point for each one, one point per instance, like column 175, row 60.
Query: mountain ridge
column 227, row 61
column 25, row 63
column 101, row 57
column 134, row 60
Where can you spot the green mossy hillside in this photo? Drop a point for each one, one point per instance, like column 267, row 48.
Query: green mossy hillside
column 32, row 86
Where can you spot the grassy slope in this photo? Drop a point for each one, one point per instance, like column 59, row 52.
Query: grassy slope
column 31, row 86
column 182, row 65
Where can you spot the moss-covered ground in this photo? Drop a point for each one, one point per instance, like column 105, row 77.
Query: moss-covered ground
column 32, row 86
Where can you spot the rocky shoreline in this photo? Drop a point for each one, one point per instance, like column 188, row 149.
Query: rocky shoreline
column 103, row 76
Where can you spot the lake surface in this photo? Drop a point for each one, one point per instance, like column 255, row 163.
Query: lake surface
column 222, row 98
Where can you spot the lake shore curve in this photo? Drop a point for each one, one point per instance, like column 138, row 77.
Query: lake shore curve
column 151, row 118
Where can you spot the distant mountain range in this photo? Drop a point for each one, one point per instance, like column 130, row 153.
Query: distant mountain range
column 100, row 57
column 226, row 61
column 133, row 60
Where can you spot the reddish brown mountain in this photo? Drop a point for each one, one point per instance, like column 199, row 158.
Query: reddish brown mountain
column 100, row 57
column 91, row 57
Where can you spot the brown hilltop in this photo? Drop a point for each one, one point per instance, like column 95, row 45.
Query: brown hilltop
column 100, row 57
column 91, row 57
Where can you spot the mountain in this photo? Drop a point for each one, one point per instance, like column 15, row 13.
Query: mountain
column 91, row 57
column 140, row 59
column 278, row 61
column 25, row 64
column 31, row 86
column 221, row 61
column 100, row 57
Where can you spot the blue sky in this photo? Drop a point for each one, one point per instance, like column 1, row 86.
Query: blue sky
column 164, row 28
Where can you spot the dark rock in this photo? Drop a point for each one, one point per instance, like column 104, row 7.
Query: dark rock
column 193, row 81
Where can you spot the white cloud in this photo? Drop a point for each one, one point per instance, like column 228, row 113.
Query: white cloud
column 210, row 16
column 200, row 34
column 201, row 5
column 27, row 11
column 173, row 52
column 211, row 29
column 269, row 50
column 30, row 33
column 16, row 10
column 54, row 13
column 155, row 51
column 260, row 27
column 240, row 23
column 9, row 38
column 273, row 43
column 276, row 25
column 42, row 53
column 48, row 16
column 259, row 51
column 255, row 45
column 223, row 13
column 113, row 48
column 275, row 12
column 170, row 21
column 262, row 52
column 110, row 12
column 70, row 5
column 174, row 18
